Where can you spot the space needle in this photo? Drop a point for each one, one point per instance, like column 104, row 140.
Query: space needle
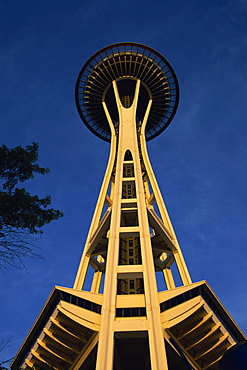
column 114, row 317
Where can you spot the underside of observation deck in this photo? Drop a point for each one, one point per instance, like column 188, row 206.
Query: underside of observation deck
column 127, row 62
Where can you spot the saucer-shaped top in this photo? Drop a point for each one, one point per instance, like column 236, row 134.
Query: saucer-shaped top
column 125, row 63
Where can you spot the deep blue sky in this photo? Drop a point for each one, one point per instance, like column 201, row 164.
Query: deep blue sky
column 200, row 161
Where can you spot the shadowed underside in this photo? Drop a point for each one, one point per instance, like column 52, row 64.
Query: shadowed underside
column 121, row 62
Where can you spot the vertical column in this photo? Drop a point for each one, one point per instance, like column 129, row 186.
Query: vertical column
column 128, row 141
column 106, row 335
column 178, row 256
column 102, row 199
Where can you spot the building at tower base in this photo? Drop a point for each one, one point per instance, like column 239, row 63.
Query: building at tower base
column 127, row 94
column 196, row 328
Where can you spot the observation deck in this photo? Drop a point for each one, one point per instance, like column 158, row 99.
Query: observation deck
column 126, row 63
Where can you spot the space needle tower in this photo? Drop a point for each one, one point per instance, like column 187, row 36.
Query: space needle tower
column 127, row 94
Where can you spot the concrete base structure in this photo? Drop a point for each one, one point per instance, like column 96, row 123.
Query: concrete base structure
column 123, row 322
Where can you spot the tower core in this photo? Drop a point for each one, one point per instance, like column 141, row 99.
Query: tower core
column 127, row 94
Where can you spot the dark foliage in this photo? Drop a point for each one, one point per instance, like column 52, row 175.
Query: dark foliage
column 21, row 215
column 4, row 343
